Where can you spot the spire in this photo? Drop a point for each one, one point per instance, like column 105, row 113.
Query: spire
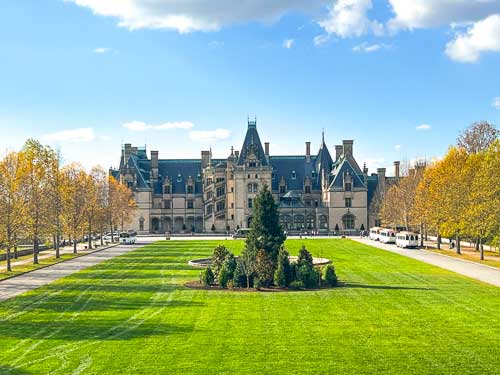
column 252, row 145
column 323, row 136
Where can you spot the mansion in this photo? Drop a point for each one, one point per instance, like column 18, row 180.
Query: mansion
column 317, row 192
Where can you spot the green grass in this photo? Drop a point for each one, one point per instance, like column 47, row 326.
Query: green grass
column 132, row 315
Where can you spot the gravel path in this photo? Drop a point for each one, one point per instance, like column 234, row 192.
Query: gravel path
column 473, row 270
column 20, row 284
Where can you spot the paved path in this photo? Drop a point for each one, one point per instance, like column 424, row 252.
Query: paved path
column 473, row 270
column 20, row 284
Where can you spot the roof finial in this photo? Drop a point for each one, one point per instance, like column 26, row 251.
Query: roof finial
column 323, row 135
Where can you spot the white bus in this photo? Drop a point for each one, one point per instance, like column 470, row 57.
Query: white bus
column 407, row 239
column 387, row 236
column 128, row 238
column 375, row 233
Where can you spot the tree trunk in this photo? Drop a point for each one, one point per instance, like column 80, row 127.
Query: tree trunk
column 422, row 235
column 481, row 248
column 458, row 245
column 248, row 281
column 111, row 230
column 15, row 246
column 74, row 245
column 102, row 241
column 58, row 253
column 9, row 266
column 477, row 244
column 35, row 250
column 439, row 241
column 90, row 236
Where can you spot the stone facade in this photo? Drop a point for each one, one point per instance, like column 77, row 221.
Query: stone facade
column 314, row 192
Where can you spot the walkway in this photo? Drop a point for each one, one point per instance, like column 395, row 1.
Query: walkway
column 473, row 270
column 20, row 284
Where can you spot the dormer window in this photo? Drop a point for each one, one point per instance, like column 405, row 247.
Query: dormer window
column 179, row 178
column 313, row 174
column 348, row 186
column 294, row 175
column 190, row 189
column 198, row 177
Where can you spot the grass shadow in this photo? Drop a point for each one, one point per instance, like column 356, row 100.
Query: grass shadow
column 381, row 287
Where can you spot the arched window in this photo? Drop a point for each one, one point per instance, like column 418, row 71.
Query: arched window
column 323, row 222
column 299, row 221
column 348, row 221
column 286, row 221
column 311, row 222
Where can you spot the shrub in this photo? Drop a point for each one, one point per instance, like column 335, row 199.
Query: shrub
column 284, row 263
column 258, row 283
column 239, row 278
column 296, row 285
column 230, row 264
column 207, row 277
column 213, row 228
column 305, row 258
column 308, row 276
column 224, row 276
column 329, row 275
column 218, row 257
column 279, row 277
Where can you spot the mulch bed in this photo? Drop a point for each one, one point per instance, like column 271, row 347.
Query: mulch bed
column 198, row 285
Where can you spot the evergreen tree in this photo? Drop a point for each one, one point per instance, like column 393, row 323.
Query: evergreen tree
column 283, row 273
column 265, row 232
column 329, row 275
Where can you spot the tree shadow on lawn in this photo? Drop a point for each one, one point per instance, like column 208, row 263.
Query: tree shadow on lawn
column 381, row 287
column 122, row 288
column 148, row 267
column 11, row 370
column 100, row 302
column 90, row 330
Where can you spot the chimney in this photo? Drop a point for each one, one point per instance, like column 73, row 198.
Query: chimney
column 365, row 169
column 348, row 147
column 396, row 168
column 381, row 179
column 308, row 152
column 154, row 164
column 237, row 154
column 127, row 150
column 339, row 149
column 266, row 148
column 205, row 159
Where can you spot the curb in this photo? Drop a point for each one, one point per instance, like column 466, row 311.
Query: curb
column 62, row 261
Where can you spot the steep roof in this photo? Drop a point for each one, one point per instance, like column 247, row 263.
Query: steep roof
column 285, row 166
column 342, row 168
column 252, row 145
column 324, row 160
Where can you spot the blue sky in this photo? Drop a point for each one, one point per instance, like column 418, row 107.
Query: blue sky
column 87, row 75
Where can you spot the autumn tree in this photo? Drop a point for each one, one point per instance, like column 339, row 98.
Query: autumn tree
column 74, row 184
column 35, row 163
column 478, row 137
column 12, row 204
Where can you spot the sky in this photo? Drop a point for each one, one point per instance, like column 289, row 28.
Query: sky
column 400, row 77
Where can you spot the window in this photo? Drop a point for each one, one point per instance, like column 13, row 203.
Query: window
column 209, row 209
column 286, row 221
column 221, row 191
column 232, row 205
column 141, row 224
column 348, row 221
column 313, row 174
column 179, row 178
column 167, row 204
column 308, row 189
column 198, row 177
column 167, row 189
column 256, row 176
column 232, row 189
column 209, row 181
column 190, row 204
column 294, row 175
column 249, row 176
column 250, row 202
column 210, row 195
column 221, row 206
column 190, row 189
column 307, row 203
column 348, row 202
column 253, row 188
column 220, row 179
column 311, row 222
column 232, row 217
column 348, row 186
column 282, row 189
column 130, row 184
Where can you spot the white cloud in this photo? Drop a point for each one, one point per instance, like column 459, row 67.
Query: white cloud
column 424, row 127
column 139, row 126
column 417, row 14
column 101, row 50
column 209, row 135
column 288, row 43
column 367, row 48
column 397, row 147
column 72, row 135
column 349, row 18
column 482, row 36
column 496, row 103
column 320, row 40
column 200, row 15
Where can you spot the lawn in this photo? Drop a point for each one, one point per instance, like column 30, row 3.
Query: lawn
column 132, row 315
